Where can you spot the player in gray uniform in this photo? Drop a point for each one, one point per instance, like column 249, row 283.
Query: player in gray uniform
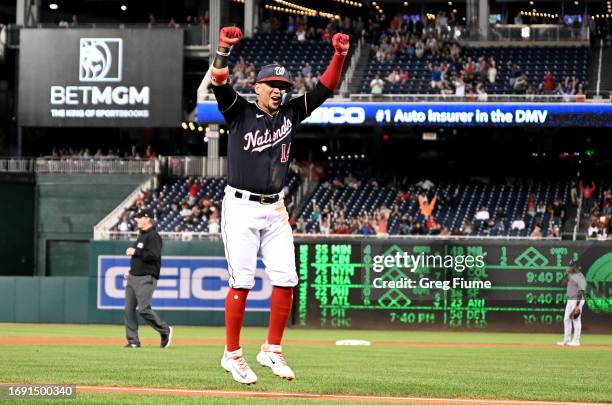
column 576, row 286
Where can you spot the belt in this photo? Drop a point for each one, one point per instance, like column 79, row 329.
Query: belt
column 260, row 198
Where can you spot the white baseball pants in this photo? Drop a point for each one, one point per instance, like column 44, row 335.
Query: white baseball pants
column 568, row 322
column 251, row 230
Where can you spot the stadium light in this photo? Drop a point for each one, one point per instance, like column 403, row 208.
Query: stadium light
column 123, row 7
column 184, row 125
column 53, row 6
column 324, row 148
column 192, row 126
column 206, row 139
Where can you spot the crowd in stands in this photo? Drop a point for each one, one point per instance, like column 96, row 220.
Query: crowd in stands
column 300, row 32
column 243, row 77
column 337, row 220
column 196, row 210
column 112, row 153
column 354, row 203
column 350, row 203
column 190, row 20
column 314, row 29
column 454, row 70
column 597, row 206
column 184, row 206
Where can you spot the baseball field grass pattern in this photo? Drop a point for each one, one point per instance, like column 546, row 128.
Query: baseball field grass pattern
column 443, row 370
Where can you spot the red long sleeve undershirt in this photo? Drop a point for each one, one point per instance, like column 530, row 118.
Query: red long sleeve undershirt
column 331, row 76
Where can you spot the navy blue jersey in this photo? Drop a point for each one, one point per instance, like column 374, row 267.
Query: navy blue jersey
column 260, row 145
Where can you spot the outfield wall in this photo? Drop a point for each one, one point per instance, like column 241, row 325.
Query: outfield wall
column 48, row 218
column 336, row 289
column 68, row 207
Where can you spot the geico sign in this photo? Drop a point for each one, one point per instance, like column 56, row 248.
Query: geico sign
column 85, row 95
column 337, row 115
column 185, row 283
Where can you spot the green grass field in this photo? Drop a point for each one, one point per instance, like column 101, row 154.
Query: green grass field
column 530, row 373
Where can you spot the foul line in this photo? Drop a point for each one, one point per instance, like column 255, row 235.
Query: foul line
column 319, row 397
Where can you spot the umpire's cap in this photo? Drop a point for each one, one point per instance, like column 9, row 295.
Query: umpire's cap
column 274, row 73
column 144, row 213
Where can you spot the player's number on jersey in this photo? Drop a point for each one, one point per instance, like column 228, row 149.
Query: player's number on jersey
column 285, row 149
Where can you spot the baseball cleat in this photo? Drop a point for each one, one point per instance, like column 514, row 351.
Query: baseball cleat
column 132, row 346
column 166, row 339
column 575, row 344
column 563, row 343
column 234, row 362
column 270, row 356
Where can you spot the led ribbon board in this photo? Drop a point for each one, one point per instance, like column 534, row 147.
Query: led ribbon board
column 447, row 114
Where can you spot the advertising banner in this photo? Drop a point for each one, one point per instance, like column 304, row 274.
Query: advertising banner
column 100, row 77
column 196, row 283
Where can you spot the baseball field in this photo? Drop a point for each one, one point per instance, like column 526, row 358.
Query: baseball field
column 409, row 367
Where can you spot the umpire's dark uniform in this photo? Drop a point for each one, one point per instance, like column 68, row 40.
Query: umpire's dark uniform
column 142, row 280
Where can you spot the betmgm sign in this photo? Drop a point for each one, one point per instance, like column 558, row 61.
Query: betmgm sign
column 185, row 283
column 106, row 77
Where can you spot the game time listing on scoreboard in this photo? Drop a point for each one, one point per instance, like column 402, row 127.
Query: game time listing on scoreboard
column 452, row 284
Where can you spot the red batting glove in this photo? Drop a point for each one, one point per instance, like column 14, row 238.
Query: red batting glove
column 341, row 43
column 229, row 36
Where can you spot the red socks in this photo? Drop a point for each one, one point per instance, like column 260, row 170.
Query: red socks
column 235, row 303
column 280, row 308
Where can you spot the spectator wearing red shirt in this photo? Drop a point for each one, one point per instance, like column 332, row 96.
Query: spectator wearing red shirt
column 395, row 23
column 326, row 35
column 194, row 188
column 342, row 228
column 587, row 196
column 549, row 82
column 431, row 223
column 381, row 228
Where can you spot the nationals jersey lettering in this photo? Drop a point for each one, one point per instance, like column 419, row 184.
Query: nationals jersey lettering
column 257, row 142
column 258, row 147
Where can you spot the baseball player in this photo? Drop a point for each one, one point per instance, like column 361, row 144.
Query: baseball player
column 254, row 219
column 576, row 286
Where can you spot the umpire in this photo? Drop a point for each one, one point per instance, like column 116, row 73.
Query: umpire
column 142, row 280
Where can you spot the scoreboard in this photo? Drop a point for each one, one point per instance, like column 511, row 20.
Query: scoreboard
column 508, row 285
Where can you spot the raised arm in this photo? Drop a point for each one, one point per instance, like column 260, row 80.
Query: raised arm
column 328, row 82
column 331, row 76
column 227, row 99
column 228, row 37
